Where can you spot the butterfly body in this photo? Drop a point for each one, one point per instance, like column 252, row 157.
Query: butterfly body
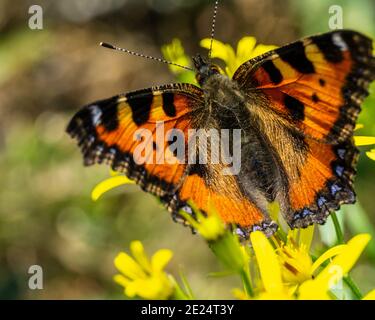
column 295, row 108
column 261, row 177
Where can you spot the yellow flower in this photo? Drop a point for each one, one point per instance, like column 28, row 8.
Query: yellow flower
column 143, row 277
column 371, row 154
column 297, row 264
column 302, row 284
column 246, row 49
column 224, row 244
column 365, row 141
column 175, row 53
column 370, row 295
column 344, row 261
column 295, row 261
column 210, row 227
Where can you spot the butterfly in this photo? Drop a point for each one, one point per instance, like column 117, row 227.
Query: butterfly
column 296, row 107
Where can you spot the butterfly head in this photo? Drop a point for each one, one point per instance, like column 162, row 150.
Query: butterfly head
column 204, row 69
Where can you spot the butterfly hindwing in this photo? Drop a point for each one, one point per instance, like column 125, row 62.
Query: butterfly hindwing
column 311, row 92
column 233, row 207
column 325, row 182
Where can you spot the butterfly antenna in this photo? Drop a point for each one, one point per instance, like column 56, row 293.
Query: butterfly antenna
column 213, row 28
column 110, row 46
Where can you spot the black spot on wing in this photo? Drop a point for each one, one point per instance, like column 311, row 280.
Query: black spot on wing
column 330, row 51
column 168, row 104
column 109, row 118
column 140, row 103
column 295, row 56
column 314, row 98
column 272, row 71
column 322, row 82
column 296, row 107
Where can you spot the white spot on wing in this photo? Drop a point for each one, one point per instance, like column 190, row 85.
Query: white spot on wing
column 96, row 114
column 339, row 42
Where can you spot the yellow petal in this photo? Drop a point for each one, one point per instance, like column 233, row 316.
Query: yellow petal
column 371, row 154
column 160, row 259
column 240, row 294
column 261, row 48
column 175, row 53
column 156, row 287
column 293, row 235
column 302, row 237
column 363, row 140
column 268, row 263
column 127, row 265
column 310, row 291
column 342, row 263
column 358, row 126
column 138, row 252
column 370, row 295
column 245, row 48
column 219, row 50
column 121, row 280
column 334, row 251
column 222, row 51
column 296, row 264
column 351, row 254
column 131, row 289
column 273, row 296
column 306, row 236
column 109, row 184
column 211, row 227
column 231, row 60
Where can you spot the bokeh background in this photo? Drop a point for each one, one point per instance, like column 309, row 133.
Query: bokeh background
column 46, row 214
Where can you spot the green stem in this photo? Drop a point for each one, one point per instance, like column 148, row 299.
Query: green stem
column 246, row 283
column 282, row 235
column 353, row 287
column 340, row 236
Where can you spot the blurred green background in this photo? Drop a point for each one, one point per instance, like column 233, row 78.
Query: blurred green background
column 46, row 214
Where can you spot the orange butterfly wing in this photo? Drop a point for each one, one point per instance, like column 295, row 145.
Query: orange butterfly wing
column 108, row 131
column 313, row 87
column 233, row 207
